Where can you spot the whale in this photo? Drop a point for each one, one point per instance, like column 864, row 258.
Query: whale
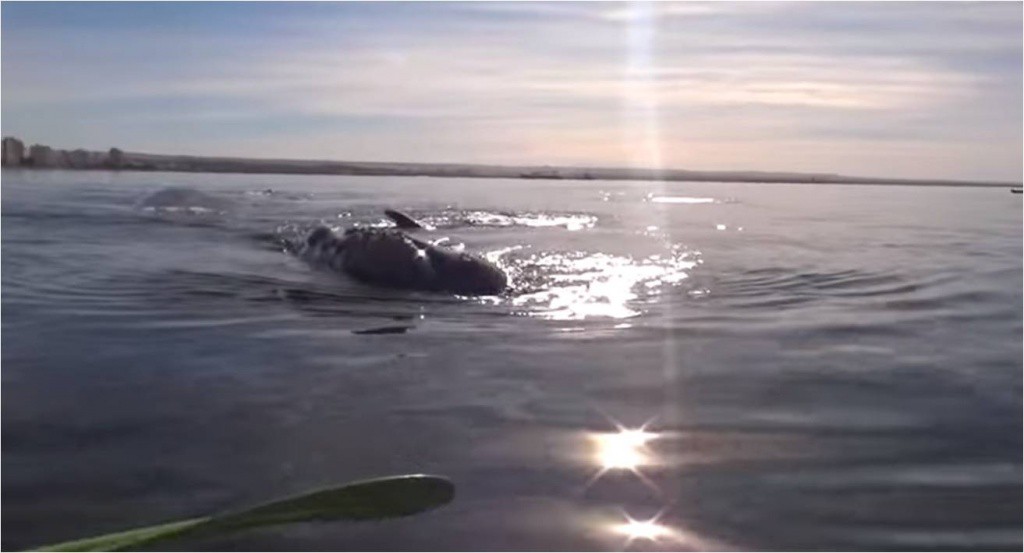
column 184, row 199
column 390, row 257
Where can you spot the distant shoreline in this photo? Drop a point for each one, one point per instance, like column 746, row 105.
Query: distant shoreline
column 44, row 157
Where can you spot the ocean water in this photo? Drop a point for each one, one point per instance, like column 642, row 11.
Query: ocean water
column 812, row 367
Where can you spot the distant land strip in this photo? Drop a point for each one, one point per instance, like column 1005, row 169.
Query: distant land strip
column 44, row 157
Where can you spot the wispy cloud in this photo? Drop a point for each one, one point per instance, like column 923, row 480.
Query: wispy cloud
column 730, row 85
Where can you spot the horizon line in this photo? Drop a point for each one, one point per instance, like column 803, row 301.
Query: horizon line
column 715, row 174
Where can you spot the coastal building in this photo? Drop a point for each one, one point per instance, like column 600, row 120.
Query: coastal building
column 116, row 158
column 13, row 152
column 85, row 159
column 43, row 156
column 78, row 159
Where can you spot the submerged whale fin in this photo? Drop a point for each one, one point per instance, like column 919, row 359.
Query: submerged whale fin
column 402, row 220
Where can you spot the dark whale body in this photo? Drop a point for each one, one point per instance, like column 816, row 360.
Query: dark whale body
column 389, row 257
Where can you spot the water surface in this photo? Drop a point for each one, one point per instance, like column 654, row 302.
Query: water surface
column 814, row 367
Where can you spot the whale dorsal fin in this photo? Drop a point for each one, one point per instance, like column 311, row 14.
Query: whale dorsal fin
column 402, row 220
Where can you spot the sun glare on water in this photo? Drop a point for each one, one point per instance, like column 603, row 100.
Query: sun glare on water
column 582, row 286
column 648, row 530
column 626, row 449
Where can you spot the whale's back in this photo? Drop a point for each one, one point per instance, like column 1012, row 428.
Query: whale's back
column 389, row 257
column 466, row 274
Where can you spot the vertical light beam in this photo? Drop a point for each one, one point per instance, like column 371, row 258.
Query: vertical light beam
column 643, row 134
column 641, row 124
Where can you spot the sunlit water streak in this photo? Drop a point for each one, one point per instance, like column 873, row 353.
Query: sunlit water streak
column 540, row 220
column 642, row 106
column 577, row 286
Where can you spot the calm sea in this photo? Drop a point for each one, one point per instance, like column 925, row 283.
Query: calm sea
column 814, row 367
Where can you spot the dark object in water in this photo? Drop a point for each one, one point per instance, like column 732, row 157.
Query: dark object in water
column 402, row 220
column 389, row 257
column 1017, row 190
column 402, row 329
column 392, row 496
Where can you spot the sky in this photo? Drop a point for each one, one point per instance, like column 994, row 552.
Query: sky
column 910, row 90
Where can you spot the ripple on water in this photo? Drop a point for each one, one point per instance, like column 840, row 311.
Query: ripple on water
column 779, row 287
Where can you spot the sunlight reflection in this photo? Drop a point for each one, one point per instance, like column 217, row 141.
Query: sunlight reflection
column 581, row 286
column 570, row 222
column 654, row 531
column 624, row 450
column 648, row 530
